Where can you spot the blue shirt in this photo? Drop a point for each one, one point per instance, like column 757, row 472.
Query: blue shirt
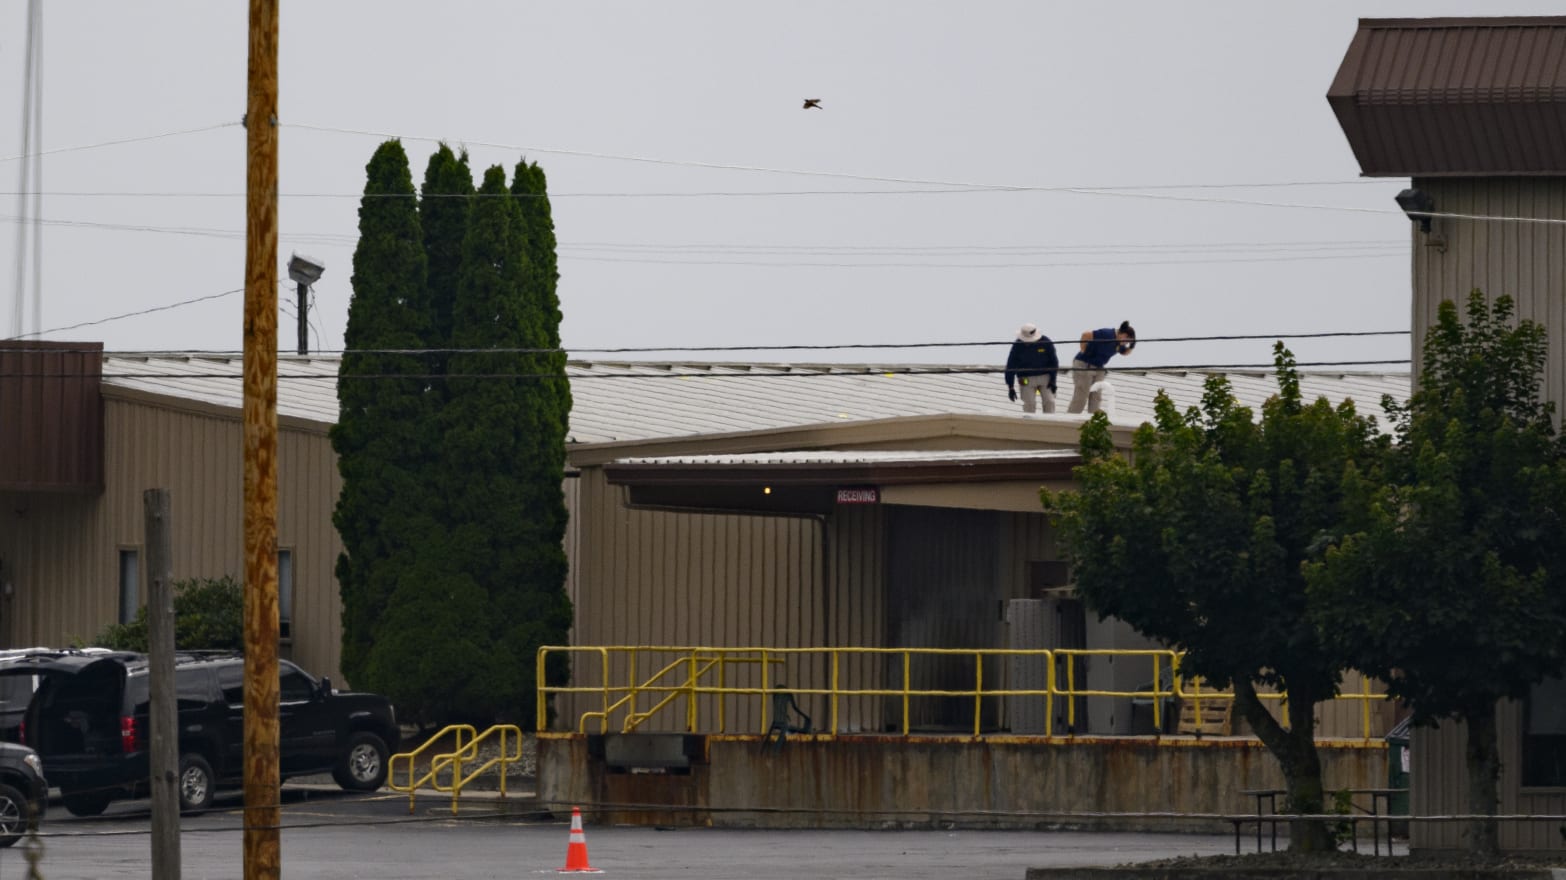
column 1103, row 347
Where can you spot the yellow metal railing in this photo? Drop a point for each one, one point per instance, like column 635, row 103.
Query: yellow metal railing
column 697, row 672
column 453, row 765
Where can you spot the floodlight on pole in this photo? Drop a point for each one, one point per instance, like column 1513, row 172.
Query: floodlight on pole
column 304, row 271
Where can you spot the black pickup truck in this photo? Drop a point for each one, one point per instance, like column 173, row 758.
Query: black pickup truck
column 88, row 720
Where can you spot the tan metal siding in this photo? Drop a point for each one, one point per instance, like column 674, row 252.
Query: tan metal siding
column 1515, row 800
column 1439, row 786
column 856, row 612
column 66, row 568
column 1528, row 262
column 659, row 578
column 308, row 486
column 1524, row 260
column 648, row 577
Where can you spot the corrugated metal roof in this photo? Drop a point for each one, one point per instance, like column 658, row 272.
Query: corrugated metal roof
column 640, row 401
column 1455, row 96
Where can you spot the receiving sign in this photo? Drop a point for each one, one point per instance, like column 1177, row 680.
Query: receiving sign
column 859, row 495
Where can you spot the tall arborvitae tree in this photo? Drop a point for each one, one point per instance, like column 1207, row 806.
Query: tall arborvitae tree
column 378, row 436
column 443, row 213
column 465, row 609
column 547, row 606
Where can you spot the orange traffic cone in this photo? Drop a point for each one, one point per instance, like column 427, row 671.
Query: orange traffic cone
column 576, row 849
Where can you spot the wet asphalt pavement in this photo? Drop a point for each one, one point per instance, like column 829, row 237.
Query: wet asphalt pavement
column 333, row 835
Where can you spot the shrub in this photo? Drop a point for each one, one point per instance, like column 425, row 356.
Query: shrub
column 208, row 615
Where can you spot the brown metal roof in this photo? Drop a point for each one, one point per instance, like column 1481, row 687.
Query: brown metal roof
column 793, row 483
column 1455, row 96
column 878, row 467
column 51, row 417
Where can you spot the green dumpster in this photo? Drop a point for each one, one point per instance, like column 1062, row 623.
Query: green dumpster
column 1398, row 766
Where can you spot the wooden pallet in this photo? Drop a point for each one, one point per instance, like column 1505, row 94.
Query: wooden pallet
column 1216, row 712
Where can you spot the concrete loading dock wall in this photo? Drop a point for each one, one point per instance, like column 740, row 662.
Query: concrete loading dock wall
column 879, row 782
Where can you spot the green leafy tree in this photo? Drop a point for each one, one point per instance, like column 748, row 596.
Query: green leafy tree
column 1449, row 586
column 1197, row 542
column 208, row 615
column 382, row 436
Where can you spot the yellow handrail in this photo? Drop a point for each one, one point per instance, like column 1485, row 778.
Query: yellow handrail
column 469, row 752
column 707, row 676
column 410, row 758
column 454, row 760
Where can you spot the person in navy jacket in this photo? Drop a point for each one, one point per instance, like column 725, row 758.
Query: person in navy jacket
column 1088, row 368
column 1032, row 364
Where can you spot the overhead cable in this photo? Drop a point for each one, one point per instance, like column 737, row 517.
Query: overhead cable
column 802, row 172
column 188, row 352
column 743, row 371
column 1135, row 192
column 679, row 249
column 119, row 141
column 795, row 264
column 147, row 311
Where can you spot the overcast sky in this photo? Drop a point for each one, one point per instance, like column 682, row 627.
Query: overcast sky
column 1182, row 112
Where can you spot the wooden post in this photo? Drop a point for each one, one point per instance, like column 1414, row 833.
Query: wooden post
column 262, row 836
column 163, row 723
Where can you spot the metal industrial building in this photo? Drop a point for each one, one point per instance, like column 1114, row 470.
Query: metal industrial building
column 1473, row 110
column 673, row 539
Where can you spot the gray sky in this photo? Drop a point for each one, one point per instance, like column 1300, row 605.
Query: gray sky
column 1150, row 95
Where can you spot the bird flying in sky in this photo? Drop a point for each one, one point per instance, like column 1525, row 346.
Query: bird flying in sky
column 812, row 103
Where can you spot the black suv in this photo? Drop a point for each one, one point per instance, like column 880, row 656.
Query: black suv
column 23, row 791
column 88, row 719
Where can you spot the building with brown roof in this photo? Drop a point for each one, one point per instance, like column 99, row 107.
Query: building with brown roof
column 1473, row 110
column 707, row 501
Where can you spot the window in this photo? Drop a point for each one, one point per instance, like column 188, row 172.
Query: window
column 130, row 584
column 295, row 686
column 285, row 595
column 231, row 679
column 1544, row 734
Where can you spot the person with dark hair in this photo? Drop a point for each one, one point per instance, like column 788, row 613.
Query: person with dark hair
column 1032, row 364
column 1088, row 368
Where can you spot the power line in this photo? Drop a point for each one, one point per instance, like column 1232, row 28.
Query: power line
column 147, row 311
column 989, row 248
column 672, row 194
column 825, row 249
column 1052, row 265
column 1450, row 215
column 118, row 142
column 931, row 186
column 1135, row 192
column 1314, row 334
column 631, row 254
column 837, row 175
column 793, row 372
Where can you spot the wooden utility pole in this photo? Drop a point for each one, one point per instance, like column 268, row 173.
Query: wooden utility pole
column 263, row 860
column 163, row 720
